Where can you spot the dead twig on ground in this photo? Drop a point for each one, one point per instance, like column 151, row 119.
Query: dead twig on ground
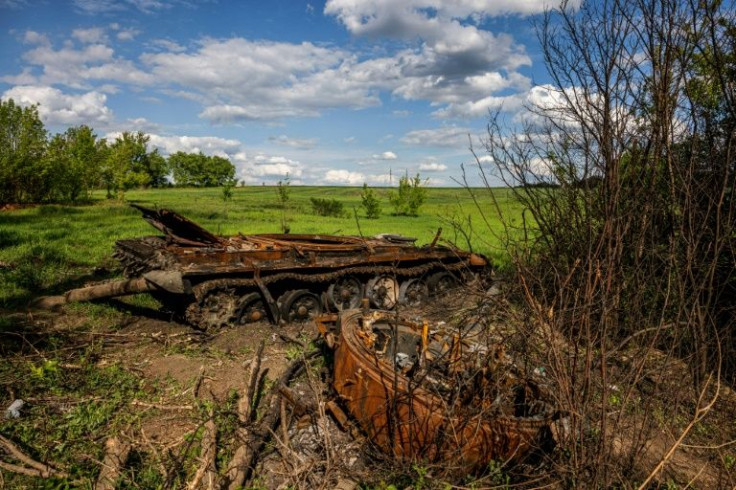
column 156, row 454
column 292, row 340
column 236, row 470
column 255, row 439
column 206, row 475
column 36, row 468
column 198, row 382
column 160, row 406
column 116, row 455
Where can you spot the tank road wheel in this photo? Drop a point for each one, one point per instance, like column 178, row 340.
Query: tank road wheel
column 216, row 310
column 299, row 305
column 442, row 282
column 251, row 309
column 383, row 291
column 345, row 293
column 413, row 292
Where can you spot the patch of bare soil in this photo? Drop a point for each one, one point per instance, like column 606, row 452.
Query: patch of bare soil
column 191, row 387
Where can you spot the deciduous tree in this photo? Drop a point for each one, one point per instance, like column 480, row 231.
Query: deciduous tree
column 22, row 145
column 126, row 165
column 199, row 170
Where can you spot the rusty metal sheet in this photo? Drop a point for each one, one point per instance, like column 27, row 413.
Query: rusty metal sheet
column 410, row 419
column 178, row 228
column 327, row 271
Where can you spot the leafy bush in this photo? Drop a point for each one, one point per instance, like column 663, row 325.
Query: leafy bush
column 409, row 197
column 370, row 203
column 227, row 189
column 327, row 207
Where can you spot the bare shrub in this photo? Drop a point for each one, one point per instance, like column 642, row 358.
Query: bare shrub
column 627, row 175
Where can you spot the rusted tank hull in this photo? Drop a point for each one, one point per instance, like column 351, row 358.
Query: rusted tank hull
column 285, row 278
column 240, row 279
column 410, row 423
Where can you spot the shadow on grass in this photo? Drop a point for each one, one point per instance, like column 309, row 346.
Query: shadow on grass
column 9, row 238
column 138, row 310
column 19, row 336
column 45, row 214
column 27, row 279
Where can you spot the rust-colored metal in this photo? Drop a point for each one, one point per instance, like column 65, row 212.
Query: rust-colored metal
column 412, row 414
column 283, row 277
column 213, row 281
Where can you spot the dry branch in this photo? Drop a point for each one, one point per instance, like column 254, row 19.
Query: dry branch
column 157, row 454
column 36, row 468
column 116, row 455
column 27, row 471
column 292, row 340
column 254, row 440
column 236, row 470
column 246, row 402
column 160, row 406
column 206, row 476
column 300, row 406
column 198, row 382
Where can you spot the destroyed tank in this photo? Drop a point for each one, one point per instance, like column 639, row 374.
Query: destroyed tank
column 212, row 281
column 436, row 393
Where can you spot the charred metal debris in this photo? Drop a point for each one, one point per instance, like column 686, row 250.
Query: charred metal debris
column 435, row 394
column 419, row 392
column 211, row 281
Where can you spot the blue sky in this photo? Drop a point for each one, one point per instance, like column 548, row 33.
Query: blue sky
column 339, row 92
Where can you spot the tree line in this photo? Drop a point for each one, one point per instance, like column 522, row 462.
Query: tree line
column 36, row 167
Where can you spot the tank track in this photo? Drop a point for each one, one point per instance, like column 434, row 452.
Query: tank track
column 216, row 300
column 139, row 256
column 205, row 288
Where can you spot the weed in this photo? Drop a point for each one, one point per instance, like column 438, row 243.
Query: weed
column 729, row 461
column 141, row 473
column 497, row 475
column 614, row 399
column 294, row 352
column 421, row 473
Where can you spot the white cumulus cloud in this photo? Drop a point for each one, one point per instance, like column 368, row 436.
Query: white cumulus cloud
column 386, row 155
column 56, row 107
column 431, row 166
column 91, row 35
column 351, row 178
column 209, row 145
column 80, row 67
column 262, row 167
column 33, row 37
column 453, row 137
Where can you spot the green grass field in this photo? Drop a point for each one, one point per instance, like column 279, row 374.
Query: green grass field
column 48, row 249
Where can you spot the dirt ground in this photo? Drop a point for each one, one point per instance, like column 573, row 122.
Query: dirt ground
column 183, row 376
column 170, row 361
